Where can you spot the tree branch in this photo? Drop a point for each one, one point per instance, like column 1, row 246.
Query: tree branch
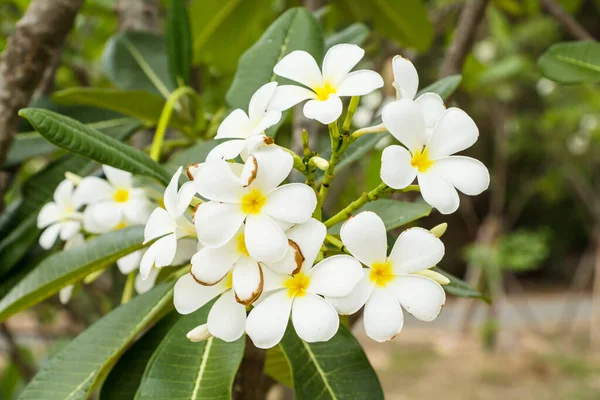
column 138, row 15
column 566, row 20
column 464, row 37
column 27, row 371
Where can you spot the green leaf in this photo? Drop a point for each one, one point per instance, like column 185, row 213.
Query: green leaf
column 139, row 104
column 278, row 367
column 337, row 369
column 572, row 62
column 405, row 22
column 296, row 29
column 80, row 139
column 356, row 33
column 138, row 61
column 69, row 266
column 77, row 369
column 460, row 288
column 209, row 369
column 444, row 87
column 394, row 213
column 192, row 155
column 179, row 43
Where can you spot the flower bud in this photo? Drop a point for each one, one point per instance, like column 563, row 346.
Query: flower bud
column 320, row 163
column 439, row 230
column 435, row 276
column 76, row 179
column 199, row 334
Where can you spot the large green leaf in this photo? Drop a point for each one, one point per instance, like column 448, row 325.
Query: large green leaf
column 186, row 370
column 356, row 33
column 179, row 42
column 138, row 61
column 444, row 87
column 69, row 266
column 192, row 155
column 79, row 367
column 460, row 288
column 394, row 213
column 278, row 367
column 296, row 29
column 337, row 369
column 139, row 104
column 405, row 22
column 80, row 139
column 572, row 62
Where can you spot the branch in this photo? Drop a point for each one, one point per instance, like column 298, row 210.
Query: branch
column 26, row 370
column 138, row 15
column 464, row 37
column 566, row 20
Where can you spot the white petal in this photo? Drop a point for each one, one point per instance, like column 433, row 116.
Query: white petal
column 267, row 322
column 102, row 217
column 227, row 150
column 118, row 178
column 420, row 296
column 68, row 229
column 309, row 236
column 259, row 102
column 359, row 83
column 271, row 281
column 290, row 263
column 383, row 317
column 405, row 120
column 49, row 214
column 177, row 201
column 49, row 236
column 227, row 318
column 301, row 67
column 92, row 190
column 216, row 181
column 416, row 249
column 143, row 285
column 433, row 107
column 324, row 111
column 269, row 119
column 274, row 165
column 63, row 193
column 339, row 60
column 186, row 248
column 405, row 76
column 188, row 295
column 137, row 211
column 287, row 96
column 265, row 240
column 438, row 192
column 294, row 203
column 210, row 265
column 159, row 223
column 365, row 237
column 158, row 255
column 65, row 294
column 466, row 174
column 396, row 170
column 454, row 132
column 357, row 298
column 335, row 276
column 255, row 143
column 247, row 280
column 314, row 319
column 75, row 241
column 216, row 223
column 236, row 125
column 130, row 262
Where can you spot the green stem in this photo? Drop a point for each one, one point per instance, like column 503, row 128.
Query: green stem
column 128, row 289
column 337, row 148
column 298, row 161
column 335, row 242
column 351, row 109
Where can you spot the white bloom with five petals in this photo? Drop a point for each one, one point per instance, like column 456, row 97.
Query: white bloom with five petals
column 60, row 217
column 392, row 282
column 326, row 86
column 430, row 159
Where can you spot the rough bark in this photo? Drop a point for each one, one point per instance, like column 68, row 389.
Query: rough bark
column 138, row 15
column 566, row 20
column 251, row 383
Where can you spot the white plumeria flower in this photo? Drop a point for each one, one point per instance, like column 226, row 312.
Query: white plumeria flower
column 168, row 225
column 112, row 202
column 246, row 130
column 326, row 87
column 431, row 159
column 299, row 295
column 391, row 283
column 251, row 195
column 74, row 241
column 406, row 82
column 60, row 217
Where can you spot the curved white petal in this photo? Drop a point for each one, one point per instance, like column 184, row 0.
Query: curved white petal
column 216, row 223
column 159, row 223
column 287, row 96
column 365, row 237
column 274, row 165
column 433, row 107
column 396, row 169
column 359, row 83
column 405, row 76
column 186, row 248
column 357, row 298
column 325, row 111
column 63, row 193
column 159, row 254
column 455, row 131
column 75, row 241
column 291, row 262
column 416, row 249
column 271, row 281
column 383, row 317
column 227, row 150
column 216, row 181
column 301, row 67
column 49, row 236
column 335, row 276
column 255, row 143
column 236, row 126
column 130, row 262
column 269, row 119
column 309, row 236
column 143, row 285
column 247, row 280
column 438, row 192
column 267, row 322
column 177, row 201
column 65, row 294
column 227, row 318
column 420, row 296
column 339, row 60
column 314, row 319
column 49, row 214
column 188, row 295
column 210, row 265
column 137, row 211
column 294, row 203
column 118, row 178
column 265, row 240
column 102, row 217
column 68, row 229
column 260, row 101
column 466, row 174
column 92, row 190
column 405, row 120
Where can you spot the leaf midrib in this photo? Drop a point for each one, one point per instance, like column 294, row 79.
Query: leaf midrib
column 322, row 373
column 579, row 63
column 202, row 368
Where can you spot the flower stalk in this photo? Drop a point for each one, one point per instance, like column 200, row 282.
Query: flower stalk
column 351, row 109
column 128, row 289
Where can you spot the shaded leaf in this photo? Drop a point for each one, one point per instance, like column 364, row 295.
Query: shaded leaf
column 572, row 62
column 444, row 87
column 356, row 33
column 277, row 367
column 460, row 288
column 179, row 43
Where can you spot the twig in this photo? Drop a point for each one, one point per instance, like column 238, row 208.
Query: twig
column 138, row 15
column 566, row 20
column 27, row 371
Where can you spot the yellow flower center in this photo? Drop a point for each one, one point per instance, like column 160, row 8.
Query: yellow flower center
column 297, row 284
column 121, row 225
column 241, row 245
column 381, row 273
column 121, row 195
column 69, row 209
column 324, row 91
column 252, row 202
column 421, row 160
column 228, row 281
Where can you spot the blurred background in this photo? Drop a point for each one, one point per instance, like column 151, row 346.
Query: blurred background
column 531, row 242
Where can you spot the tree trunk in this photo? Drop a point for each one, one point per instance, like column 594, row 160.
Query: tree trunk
column 251, row 383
